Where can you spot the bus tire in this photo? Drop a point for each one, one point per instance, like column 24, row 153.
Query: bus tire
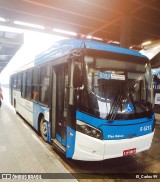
column 43, row 128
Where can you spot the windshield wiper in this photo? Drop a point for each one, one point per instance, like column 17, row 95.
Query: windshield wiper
column 113, row 111
column 141, row 105
column 131, row 97
column 116, row 104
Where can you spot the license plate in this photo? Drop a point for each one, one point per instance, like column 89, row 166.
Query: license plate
column 129, row 152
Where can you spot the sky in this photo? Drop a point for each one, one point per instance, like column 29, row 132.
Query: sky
column 34, row 43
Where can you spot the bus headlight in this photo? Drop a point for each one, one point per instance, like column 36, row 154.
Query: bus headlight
column 88, row 130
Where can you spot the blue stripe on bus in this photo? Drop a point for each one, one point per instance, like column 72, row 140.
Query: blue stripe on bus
column 109, row 48
column 71, row 134
column 119, row 129
column 128, row 131
column 48, row 131
column 58, row 137
column 96, row 122
column 63, row 47
column 63, row 142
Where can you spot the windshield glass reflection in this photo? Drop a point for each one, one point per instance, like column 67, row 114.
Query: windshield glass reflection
column 115, row 94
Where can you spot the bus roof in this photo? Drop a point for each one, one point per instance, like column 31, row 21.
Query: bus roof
column 64, row 47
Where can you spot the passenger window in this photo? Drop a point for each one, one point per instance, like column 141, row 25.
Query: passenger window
column 23, row 84
column 35, row 85
column 28, row 84
column 15, row 82
column 44, row 85
column 19, row 82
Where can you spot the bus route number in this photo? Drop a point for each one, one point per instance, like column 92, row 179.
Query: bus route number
column 146, row 128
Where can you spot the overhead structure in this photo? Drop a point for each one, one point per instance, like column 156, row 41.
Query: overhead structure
column 127, row 23
column 155, row 61
column 152, row 51
column 10, row 42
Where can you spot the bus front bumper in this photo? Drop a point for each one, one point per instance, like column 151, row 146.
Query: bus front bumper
column 92, row 149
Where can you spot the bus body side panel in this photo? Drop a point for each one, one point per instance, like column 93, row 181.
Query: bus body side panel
column 37, row 110
column 23, row 107
column 60, row 139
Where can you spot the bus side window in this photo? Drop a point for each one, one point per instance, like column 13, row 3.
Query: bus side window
column 15, row 82
column 19, row 82
column 44, row 84
column 23, row 84
column 35, row 94
column 28, row 84
column 35, row 85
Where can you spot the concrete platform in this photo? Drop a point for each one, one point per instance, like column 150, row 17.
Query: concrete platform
column 21, row 151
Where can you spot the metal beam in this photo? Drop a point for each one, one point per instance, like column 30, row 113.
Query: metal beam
column 146, row 21
column 125, row 38
column 104, row 26
column 101, row 7
column 62, row 10
column 22, row 15
column 147, row 4
column 116, row 20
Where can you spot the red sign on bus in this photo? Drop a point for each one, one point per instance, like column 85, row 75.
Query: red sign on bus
column 129, row 152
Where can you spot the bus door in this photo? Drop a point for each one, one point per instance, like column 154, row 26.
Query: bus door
column 61, row 104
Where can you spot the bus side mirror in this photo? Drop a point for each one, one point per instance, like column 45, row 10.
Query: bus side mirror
column 77, row 79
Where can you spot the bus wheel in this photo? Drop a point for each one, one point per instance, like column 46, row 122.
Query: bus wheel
column 43, row 129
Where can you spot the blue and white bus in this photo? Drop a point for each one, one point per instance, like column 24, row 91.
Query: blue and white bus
column 92, row 100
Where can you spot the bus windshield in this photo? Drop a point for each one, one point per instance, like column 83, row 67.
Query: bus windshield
column 116, row 90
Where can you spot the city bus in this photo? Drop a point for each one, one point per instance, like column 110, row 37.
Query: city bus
column 92, row 100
